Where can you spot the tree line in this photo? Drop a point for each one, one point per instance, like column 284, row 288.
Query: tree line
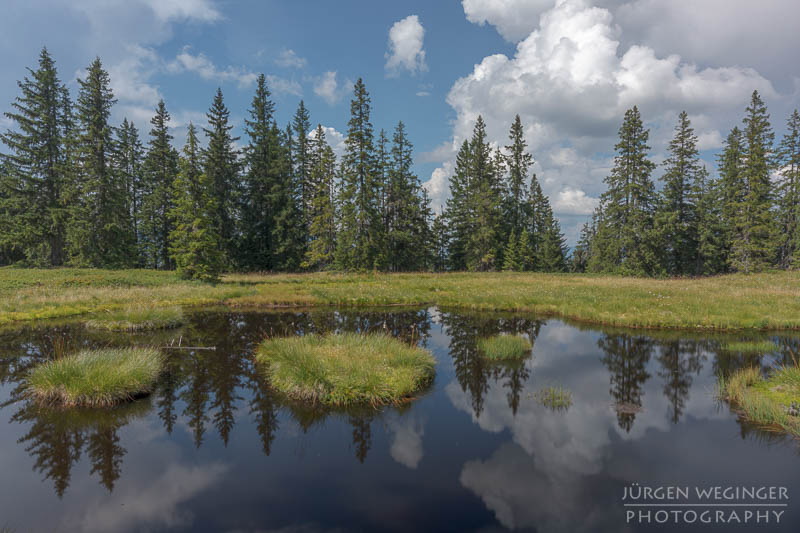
column 77, row 190
column 745, row 220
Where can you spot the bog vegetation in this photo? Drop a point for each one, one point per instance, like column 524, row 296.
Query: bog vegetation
column 502, row 347
column 770, row 401
column 77, row 190
column 346, row 369
column 736, row 301
column 95, row 378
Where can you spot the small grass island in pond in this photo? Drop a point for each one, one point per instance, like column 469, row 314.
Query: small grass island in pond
column 556, row 398
column 346, row 369
column 772, row 401
column 138, row 319
column 501, row 347
column 96, row 378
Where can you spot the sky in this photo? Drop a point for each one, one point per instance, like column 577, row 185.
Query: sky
column 569, row 68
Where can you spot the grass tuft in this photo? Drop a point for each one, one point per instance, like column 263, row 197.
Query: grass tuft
column 95, row 378
column 763, row 401
column 138, row 319
column 749, row 346
column 346, row 369
column 502, row 347
column 556, row 398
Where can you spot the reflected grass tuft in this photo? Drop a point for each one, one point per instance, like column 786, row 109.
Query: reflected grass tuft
column 556, row 398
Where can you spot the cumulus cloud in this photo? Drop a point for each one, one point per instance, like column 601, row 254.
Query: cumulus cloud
column 405, row 47
column 289, row 59
column 571, row 80
column 574, row 202
column 333, row 137
column 201, row 65
column 328, row 88
column 514, row 19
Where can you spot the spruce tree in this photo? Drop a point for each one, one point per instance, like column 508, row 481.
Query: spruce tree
column 526, row 252
column 221, row 165
column 511, row 259
column 160, row 170
column 439, row 242
column 260, row 180
column 301, row 127
column 582, row 250
column 624, row 239
column 34, row 182
column 129, row 158
column 407, row 210
column 712, row 234
column 552, row 251
column 789, row 194
column 100, row 232
column 457, row 213
column 677, row 217
column 731, row 189
column 194, row 242
column 518, row 162
column 752, row 248
column 484, row 245
column 358, row 202
column 322, row 227
column 288, row 231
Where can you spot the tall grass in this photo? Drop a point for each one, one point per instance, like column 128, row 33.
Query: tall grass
column 502, row 347
column 763, row 401
column 138, row 319
column 556, row 398
column 756, row 301
column 346, row 369
column 95, row 378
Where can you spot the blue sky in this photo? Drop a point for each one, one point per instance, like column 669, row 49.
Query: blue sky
column 569, row 67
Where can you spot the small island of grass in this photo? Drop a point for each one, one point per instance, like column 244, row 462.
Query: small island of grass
column 502, row 347
column 346, row 369
column 138, row 319
column 556, row 398
column 770, row 402
column 96, row 378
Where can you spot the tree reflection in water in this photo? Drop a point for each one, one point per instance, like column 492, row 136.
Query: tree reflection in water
column 201, row 386
column 473, row 371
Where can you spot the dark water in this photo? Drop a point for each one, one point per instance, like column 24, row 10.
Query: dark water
column 214, row 450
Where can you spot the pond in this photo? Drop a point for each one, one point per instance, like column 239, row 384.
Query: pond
column 213, row 449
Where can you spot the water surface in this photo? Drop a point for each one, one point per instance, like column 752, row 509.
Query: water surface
column 215, row 450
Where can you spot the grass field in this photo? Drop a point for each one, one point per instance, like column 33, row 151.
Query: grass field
column 756, row 301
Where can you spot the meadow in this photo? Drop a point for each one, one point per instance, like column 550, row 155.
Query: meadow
column 738, row 301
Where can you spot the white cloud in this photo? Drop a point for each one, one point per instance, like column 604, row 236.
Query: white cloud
column 571, row 80
column 574, row 202
column 202, row 10
column 333, row 137
column 327, row 87
column 514, row 19
column 405, row 47
column 158, row 505
column 201, row 65
column 406, row 446
column 289, row 59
